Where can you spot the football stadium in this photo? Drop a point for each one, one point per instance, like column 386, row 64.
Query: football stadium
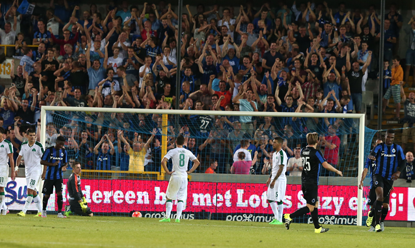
column 240, row 125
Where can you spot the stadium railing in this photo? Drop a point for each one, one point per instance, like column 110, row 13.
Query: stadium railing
column 6, row 46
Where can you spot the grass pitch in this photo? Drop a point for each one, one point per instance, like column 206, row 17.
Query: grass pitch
column 141, row 232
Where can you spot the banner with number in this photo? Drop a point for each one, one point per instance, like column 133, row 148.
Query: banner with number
column 6, row 69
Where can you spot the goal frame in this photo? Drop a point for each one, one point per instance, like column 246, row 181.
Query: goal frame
column 360, row 117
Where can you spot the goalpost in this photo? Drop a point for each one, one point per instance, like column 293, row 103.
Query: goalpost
column 214, row 202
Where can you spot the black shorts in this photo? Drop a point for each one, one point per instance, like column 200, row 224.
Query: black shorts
column 48, row 186
column 379, row 181
column 310, row 192
column 76, row 209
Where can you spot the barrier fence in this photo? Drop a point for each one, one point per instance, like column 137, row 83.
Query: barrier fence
column 220, row 201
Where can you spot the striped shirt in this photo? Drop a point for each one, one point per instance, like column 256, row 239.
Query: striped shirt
column 52, row 155
column 152, row 52
column 42, row 36
column 65, row 74
column 247, row 75
column 371, row 166
column 388, row 159
column 104, row 161
column 37, row 55
column 285, row 108
column 191, row 79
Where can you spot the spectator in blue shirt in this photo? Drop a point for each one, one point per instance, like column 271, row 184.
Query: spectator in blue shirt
column 339, row 16
column 104, row 154
column 61, row 9
column 395, row 19
column 153, row 18
column 42, row 35
column 187, row 76
column 390, row 40
column 331, row 82
column 132, row 66
column 27, row 61
column 96, row 72
column 269, row 57
column 207, row 68
column 124, row 12
column 287, row 106
column 267, row 22
column 37, row 55
column 123, row 152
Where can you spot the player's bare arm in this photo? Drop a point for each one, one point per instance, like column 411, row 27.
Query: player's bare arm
column 11, row 159
column 19, row 160
column 277, row 176
column 331, row 168
column 401, row 167
column 49, row 164
column 164, row 164
column 363, row 178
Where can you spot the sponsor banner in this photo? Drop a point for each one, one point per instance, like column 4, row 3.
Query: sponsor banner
column 16, row 194
column 334, row 220
column 411, row 204
column 161, row 215
column 248, row 199
column 398, row 204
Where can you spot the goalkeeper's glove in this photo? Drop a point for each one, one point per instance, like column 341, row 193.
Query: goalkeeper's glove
column 84, row 201
column 84, row 207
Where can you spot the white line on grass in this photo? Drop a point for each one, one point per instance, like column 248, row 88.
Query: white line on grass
column 71, row 243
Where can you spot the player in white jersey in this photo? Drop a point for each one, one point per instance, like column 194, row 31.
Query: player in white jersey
column 6, row 156
column 177, row 189
column 277, row 182
column 32, row 153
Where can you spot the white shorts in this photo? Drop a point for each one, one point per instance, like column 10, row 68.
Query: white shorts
column 32, row 179
column 277, row 193
column 177, row 189
column 4, row 177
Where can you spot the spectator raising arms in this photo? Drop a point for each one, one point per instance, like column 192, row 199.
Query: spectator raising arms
column 291, row 58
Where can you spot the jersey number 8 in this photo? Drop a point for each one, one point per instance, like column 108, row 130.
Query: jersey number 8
column 181, row 162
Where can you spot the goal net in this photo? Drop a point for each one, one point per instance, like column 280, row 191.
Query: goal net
column 121, row 149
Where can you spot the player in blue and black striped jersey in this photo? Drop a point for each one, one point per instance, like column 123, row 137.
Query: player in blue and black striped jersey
column 370, row 166
column 390, row 161
column 312, row 162
column 54, row 160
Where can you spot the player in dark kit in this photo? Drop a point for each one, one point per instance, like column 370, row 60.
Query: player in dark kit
column 312, row 160
column 54, row 161
column 370, row 166
column 78, row 204
column 390, row 161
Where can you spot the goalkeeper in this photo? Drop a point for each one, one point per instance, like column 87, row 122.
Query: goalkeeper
column 78, row 204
